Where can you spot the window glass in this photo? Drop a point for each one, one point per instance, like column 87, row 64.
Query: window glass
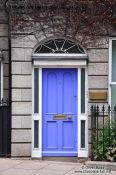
column 36, row 90
column 36, row 134
column 82, row 90
column 82, row 133
column 113, row 95
column 114, row 60
column 60, row 46
column 0, row 80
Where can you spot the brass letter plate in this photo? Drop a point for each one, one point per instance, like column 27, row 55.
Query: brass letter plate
column 59, row 117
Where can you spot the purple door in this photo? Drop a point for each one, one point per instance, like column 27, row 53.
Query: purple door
column 59, row 113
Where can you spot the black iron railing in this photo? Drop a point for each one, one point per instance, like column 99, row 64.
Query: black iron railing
column 103, row 131
column 5, row 128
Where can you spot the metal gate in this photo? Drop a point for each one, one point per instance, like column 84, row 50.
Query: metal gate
column 103, row 132
column 5, row 129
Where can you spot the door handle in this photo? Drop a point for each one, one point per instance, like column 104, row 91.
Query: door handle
column 69, row 117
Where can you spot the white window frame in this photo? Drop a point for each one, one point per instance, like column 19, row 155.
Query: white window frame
column 37, row 152
column 110, row 68
column 82, row 152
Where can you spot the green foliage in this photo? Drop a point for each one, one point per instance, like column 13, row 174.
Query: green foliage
column 104, row 146
column 111, row 154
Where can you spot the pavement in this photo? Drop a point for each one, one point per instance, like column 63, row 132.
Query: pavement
column 40, row 167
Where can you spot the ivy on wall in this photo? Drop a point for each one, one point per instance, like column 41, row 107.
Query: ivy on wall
column 83, row 18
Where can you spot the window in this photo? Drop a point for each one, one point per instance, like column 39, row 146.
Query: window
column 82, row 133
column 113, row 73
column 82, row 90
column 0, row 75
column 60, row 46
column 36, row 133
column 0, row 81
column 36, row 90
column 36, row 109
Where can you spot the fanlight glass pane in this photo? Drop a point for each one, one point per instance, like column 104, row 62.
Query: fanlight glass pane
column 60, row 46
column 59, row 43
column 114, row 60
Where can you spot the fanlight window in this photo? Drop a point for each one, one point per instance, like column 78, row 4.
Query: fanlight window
column 60, row 46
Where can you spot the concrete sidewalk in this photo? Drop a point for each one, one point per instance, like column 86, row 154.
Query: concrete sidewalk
column 38, row 167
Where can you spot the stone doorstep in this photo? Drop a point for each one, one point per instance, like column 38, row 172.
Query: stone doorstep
column 108, row 165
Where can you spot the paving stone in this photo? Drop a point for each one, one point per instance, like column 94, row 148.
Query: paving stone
column 7, row 164
column 55, row 169
column 31, row 165
column 14, row 171
column 39, row 167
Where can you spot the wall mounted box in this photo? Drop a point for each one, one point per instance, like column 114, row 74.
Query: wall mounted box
column 98, row 95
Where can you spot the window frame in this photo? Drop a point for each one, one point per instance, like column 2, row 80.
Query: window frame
column 110, row 69
column 54, row 40
column 83, row 116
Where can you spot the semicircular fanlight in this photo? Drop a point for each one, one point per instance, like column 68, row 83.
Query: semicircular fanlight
column 60, row 46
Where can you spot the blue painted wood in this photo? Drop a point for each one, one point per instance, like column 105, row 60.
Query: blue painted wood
column 59, row 96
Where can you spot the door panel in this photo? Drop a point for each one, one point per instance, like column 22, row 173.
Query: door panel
column 67, row 93
column 52, row 135
column 68, row 135
column 51, row 93
column 59, row 112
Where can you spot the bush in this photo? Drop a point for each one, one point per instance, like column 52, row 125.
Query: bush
column 109, row 142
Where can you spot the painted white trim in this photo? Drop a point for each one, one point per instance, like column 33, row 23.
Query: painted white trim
column 79, row 111
column 112, row 83
column 59, row 55
column 60, row 63
column 40, row 114
column 32, row 126
column 110, row 69
column 37, row 153
column 82, row 152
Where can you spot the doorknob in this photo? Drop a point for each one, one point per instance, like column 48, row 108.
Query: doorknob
column 69, row 117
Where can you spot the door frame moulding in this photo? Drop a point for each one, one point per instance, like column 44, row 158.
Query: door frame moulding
column 82, row 152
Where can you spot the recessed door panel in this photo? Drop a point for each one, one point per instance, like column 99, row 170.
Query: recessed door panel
column 67, row 93
column 51, row 93
column 68, row 135
column 52, row 135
